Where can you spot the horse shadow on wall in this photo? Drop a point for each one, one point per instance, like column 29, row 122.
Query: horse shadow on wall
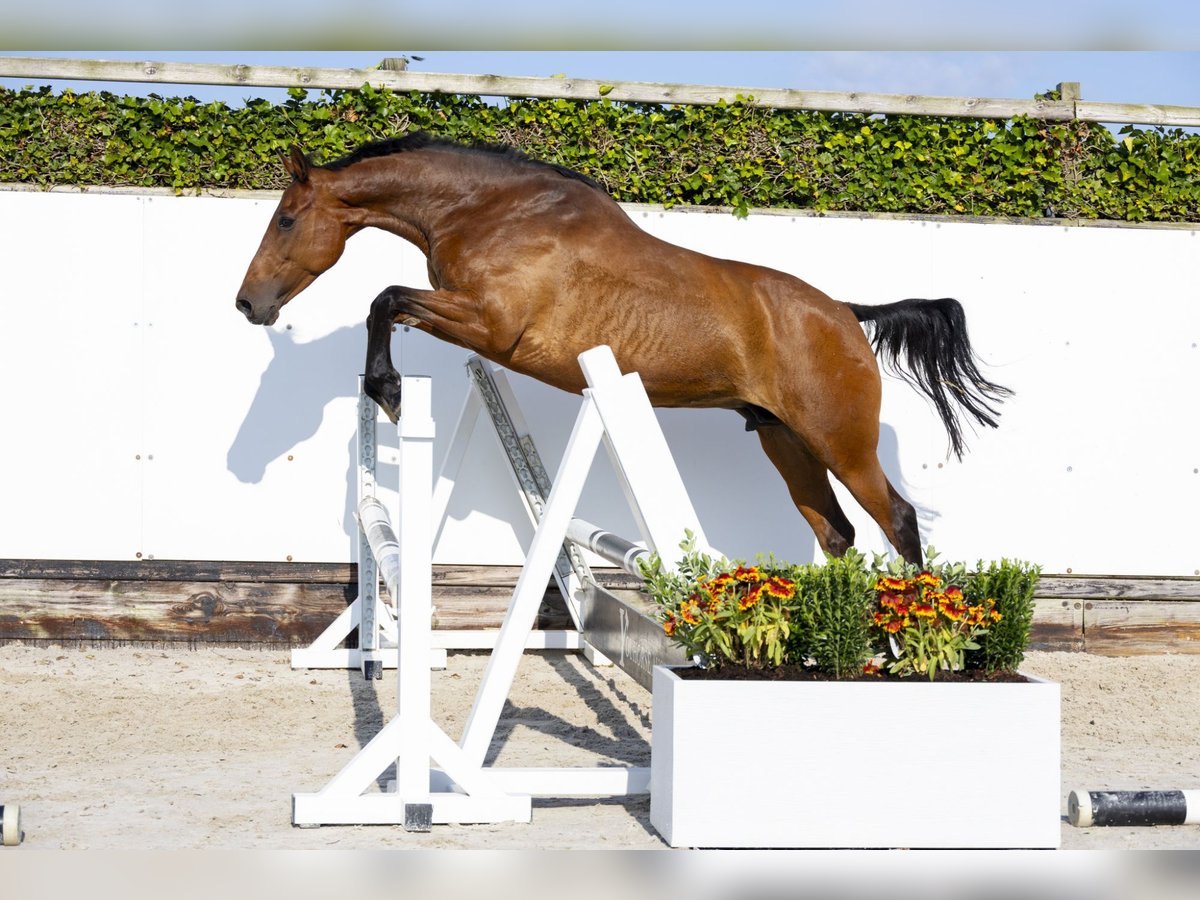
column 289, row 407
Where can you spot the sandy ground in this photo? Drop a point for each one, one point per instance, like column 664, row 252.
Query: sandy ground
column 147, row 748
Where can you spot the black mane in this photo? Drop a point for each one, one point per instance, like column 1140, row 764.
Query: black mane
column 419, row 139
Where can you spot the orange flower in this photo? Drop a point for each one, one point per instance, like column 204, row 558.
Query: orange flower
column 719, row 583
column 894, row 585
column 747, row 574
column 924, row 611
column 951, row 610
column 670, row 625
column 893, row 626
column 690, row 611
column 752, row 597
column 780, row 587
column 871, row 667
column 928, row 579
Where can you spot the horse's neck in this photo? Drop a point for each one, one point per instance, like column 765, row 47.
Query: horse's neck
column 411, row 194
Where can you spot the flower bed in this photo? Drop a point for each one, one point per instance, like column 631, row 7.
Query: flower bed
column 846, row 617
column 851, row 705
column 843, row 764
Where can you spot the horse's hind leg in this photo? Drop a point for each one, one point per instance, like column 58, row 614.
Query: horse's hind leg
column 866, row 480
column 808, row 483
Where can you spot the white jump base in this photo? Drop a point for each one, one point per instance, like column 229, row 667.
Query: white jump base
column 458, row 788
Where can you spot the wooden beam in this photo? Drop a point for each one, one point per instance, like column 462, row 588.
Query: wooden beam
column 178, row 570
column 221, row 612
column 291, row 603
column 158, row 72
column 263, row 572
column 1110, row 587
column 1133, row 627
column 1138, row 114
column 399, row 79
column 1057, row 625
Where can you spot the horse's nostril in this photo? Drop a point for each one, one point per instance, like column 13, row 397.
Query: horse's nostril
column 244, row 307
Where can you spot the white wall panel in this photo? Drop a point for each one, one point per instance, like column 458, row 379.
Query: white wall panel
column 72, row 338
column 119, row 340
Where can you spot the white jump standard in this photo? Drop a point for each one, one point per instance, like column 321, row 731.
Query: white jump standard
column 372, row 621
column 459, row 788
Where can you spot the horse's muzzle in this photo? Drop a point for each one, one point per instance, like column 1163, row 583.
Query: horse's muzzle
column 247, row 309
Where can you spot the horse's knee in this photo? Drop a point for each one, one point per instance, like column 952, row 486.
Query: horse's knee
column 386, row 305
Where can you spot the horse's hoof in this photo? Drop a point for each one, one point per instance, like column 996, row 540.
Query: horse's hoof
column 386, row 393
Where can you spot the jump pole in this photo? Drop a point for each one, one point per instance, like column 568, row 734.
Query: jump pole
column 1088, row 808
column 460, row 788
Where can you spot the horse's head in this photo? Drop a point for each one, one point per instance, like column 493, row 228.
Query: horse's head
column 305, row 238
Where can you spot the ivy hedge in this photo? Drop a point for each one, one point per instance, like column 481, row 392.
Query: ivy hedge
column 730, row 155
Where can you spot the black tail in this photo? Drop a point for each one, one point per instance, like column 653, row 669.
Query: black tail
column 925, row 343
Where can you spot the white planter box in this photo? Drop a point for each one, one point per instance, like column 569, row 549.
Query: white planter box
column 854, row 764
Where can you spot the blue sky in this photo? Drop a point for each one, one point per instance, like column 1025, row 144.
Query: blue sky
column 1156, row 76
column 608, row 24
column 1148, row 51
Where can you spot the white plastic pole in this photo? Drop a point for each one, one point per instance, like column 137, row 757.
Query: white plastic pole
column 608, row 546
column 414, row 599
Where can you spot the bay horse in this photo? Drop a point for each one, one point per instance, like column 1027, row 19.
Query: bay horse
column 532, row 263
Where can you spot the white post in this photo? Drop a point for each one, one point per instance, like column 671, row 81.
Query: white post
column 414, row 599
column 641, row 457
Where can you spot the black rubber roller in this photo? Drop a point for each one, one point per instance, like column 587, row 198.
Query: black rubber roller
column 1088, row 808
column 10, row 825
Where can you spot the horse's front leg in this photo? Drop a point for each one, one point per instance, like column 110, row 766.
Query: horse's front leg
column 381, row 380
column 451, row 316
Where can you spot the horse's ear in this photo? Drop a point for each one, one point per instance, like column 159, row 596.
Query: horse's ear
column 297, row 164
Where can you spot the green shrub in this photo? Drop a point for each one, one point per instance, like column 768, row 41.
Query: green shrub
column 839, row 617
column 729, row 155
column 1011, row 585
column 832, row 615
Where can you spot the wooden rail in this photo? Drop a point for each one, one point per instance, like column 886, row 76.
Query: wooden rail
column 289, row 604
column 1072, row 106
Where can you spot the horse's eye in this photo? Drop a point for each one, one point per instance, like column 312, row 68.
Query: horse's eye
column 286, row 222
